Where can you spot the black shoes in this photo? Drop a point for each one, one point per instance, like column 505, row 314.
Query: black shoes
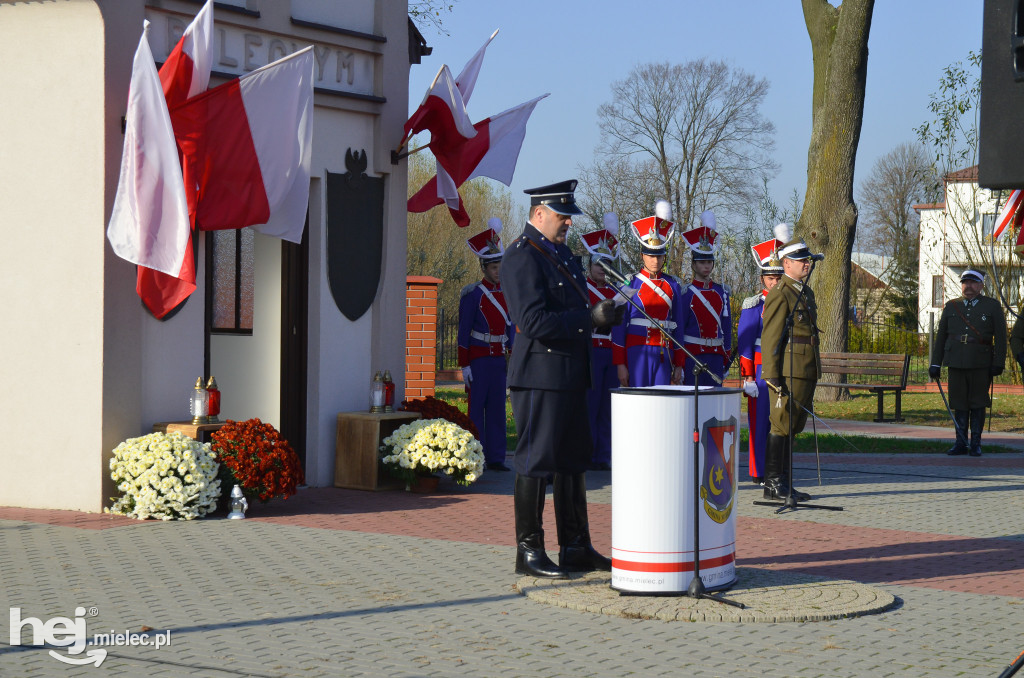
column 535, row 562
column 582, row 558
column 778, row 489
column 528, row 503
column 958, row 450
column 975, row 451
column 497, row 466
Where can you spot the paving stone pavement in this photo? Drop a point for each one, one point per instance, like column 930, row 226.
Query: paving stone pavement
column 347, row 583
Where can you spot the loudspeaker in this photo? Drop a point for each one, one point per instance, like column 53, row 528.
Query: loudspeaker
column 1001, row 124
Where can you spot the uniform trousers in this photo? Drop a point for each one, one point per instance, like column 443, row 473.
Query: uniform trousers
column 554, row 432
column 715, row 363
column 649, row 365
column 802, row 392
column 759, row 425
column 487, row 405
column 968, row 389
column 604, row 377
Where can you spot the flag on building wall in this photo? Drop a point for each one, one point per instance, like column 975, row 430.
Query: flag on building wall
column 184, row 74
column 493, row 152
column 1007, row 215
column 442, row 113
column 149, row 223
column 247, row 145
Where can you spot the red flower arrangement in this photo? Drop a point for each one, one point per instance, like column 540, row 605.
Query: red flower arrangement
column 260, row 461
column 432, row 408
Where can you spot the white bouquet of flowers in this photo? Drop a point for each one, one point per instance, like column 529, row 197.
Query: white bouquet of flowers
column 164, row 475
column 426, row 446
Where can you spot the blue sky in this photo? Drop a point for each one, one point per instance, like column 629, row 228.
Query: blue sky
column 575, row 50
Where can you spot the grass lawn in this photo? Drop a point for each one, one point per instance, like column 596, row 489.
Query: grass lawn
column 924, row 409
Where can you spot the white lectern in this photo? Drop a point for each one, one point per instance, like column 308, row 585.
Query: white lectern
column 653, row 488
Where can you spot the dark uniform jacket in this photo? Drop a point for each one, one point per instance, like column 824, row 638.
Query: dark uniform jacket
column 548, row 303
column 1017, row 339
column 804, row 337
column 971, row 336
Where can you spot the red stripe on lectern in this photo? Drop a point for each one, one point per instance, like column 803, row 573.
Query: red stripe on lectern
column 635, row 566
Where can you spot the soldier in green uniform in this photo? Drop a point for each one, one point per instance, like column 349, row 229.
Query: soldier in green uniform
column 971, row 342
column 790, row 365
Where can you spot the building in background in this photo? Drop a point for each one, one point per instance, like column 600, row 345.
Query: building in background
column 84, row 365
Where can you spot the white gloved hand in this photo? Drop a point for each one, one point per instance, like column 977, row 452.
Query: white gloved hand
column 467, row 374
column 750, row 388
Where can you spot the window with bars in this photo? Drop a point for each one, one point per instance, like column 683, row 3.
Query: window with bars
column 230, row 280
column 937, row 291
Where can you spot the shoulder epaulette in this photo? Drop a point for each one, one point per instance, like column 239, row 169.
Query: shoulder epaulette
column 752, row 301
column 728, row 290
column 467, row 289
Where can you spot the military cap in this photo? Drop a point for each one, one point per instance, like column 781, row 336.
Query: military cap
column 556, row 197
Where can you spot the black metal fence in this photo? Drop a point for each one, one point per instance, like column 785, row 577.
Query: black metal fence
column 447, row 356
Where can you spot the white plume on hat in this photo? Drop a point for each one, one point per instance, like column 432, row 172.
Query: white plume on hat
column 611, row 223
column 707, row 218
column 663, row 210
column 495, row 224
column 783, row 232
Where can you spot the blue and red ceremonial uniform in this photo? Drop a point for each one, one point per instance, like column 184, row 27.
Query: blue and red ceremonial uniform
column 706, row 329
column 638, row 343
column 603, row 378
column 748, row 348
column 485, row 334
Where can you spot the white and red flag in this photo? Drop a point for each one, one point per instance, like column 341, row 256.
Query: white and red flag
column 442, row 113
column 466, row 83
column 493, row 152
column 1011, row 213
column 185, row 73
column 149, row 223
column 247, row 145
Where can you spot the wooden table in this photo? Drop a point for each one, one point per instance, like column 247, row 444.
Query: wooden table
column 356, row 453
column 200, row 432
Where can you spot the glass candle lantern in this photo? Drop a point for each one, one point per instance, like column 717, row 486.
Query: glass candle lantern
column 214, row 406
column 389, row 392
column 377, row 393
column 199, row 404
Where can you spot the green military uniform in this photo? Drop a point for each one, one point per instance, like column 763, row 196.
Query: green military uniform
column 797, row 366
column 971, row 342
column 1017, row 340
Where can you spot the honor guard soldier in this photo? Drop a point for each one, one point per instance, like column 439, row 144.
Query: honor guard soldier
column 971, row 342
column 748, row 348
column 790, row 365
column 485, row 337
column 706, row 324
column 642, row 353
column 601, row 245
column 549, row 375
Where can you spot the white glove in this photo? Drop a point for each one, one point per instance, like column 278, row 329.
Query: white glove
column 467, row 374
column 749, row 387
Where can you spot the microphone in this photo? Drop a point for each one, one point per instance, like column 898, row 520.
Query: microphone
column 817, row 257
column 611, row 272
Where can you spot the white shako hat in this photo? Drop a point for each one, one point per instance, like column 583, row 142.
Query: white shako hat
column 603, row 243
column 794, row 248
column 487, row 244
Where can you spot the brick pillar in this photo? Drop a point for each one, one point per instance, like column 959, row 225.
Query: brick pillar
column 420, row 335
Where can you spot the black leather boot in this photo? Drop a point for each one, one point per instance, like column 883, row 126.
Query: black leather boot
column 960, row 446
column 775, row 447
column 576, row 554
column 531, row 558
column 977, row 425
column 787, row 474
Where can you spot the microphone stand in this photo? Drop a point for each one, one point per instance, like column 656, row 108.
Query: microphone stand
column 696, row 588
column 790, row 502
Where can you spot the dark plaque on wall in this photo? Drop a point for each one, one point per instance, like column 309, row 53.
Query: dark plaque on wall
column 355, row 235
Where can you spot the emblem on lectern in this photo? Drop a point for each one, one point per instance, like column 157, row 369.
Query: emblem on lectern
column 718, row 482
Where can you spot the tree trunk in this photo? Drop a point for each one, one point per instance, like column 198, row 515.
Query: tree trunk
column 828, row 222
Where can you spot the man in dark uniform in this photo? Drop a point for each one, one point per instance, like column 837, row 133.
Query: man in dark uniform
column 971, row 342
column 549, row 374
column 790, row 365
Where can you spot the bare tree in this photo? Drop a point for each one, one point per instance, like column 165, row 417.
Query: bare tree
column 692, row 134
column 839, row 44
column 889, row 226
column 430, row 13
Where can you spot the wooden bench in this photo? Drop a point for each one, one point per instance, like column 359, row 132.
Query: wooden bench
column 877, row 372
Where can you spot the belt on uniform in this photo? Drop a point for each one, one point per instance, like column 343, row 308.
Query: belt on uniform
column 813, row 341
column 596, row 335
column 644, row 322
column 968, row 339
column 757, row 342
column 701, row 341
column 488, row 338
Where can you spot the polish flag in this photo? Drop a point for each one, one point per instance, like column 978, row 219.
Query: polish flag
column 184, row 74
column 442, row 113
column 1010, row 209
column 493, row 153
column 149, row 222
column 466, row 83
column 248, row 146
